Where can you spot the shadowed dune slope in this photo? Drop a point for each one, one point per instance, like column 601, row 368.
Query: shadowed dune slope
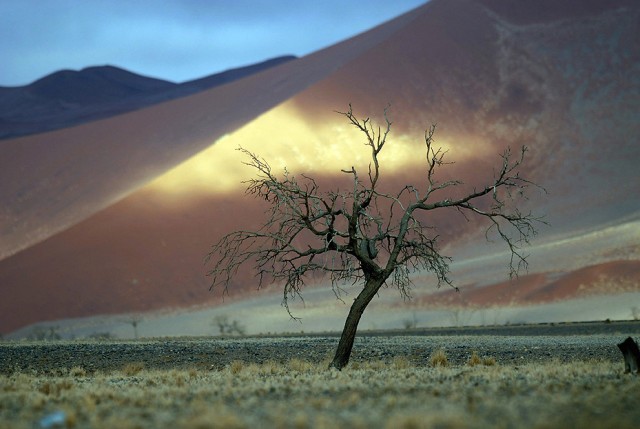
column 137, row 255
column 561, row 77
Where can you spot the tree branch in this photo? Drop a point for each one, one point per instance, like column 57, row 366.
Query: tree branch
column 362, row 234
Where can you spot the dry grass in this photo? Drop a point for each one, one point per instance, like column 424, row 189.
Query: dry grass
column 438, row 358
column 302, row 394
column 132, row 368
column 475, row 360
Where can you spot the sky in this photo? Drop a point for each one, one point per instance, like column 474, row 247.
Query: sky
column 176, row 40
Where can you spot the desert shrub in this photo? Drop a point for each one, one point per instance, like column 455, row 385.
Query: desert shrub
column 474, row 359
column 438, row 358
column 236, row 366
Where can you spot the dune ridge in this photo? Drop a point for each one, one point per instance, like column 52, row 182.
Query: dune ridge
column 561, row 78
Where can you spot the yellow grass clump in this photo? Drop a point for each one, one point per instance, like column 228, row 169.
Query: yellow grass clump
column 132, row 368
column 475, row 360
column 304, row 394
column 438, row 358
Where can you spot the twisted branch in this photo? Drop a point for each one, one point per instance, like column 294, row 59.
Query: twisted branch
column 361, row 234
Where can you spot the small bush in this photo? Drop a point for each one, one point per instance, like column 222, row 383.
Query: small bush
column 439, row 358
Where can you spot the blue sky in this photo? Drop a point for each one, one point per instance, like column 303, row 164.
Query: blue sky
column 176, row 40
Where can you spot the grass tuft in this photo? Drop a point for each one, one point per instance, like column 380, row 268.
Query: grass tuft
column 400, row 362
column 133, row 368
column 474, row 359
column 236, row 367
column 438, row 358
column 301, row 365
column 77, row 371
column 488, row 361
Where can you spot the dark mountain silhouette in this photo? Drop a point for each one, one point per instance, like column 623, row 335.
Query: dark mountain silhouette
column 66, row 98
column 94, row 85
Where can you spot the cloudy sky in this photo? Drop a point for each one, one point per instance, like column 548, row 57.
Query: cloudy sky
column 176, row 40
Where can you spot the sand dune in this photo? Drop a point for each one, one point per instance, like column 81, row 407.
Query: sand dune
column 82, row 235
column 54, row 180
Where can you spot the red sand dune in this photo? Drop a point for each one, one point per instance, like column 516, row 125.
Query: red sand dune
column 602, row 279
column 53, row 180
column 478, row 68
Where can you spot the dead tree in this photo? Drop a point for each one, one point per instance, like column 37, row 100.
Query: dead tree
column 135, row 320
column 362, row 234
column 226, row 327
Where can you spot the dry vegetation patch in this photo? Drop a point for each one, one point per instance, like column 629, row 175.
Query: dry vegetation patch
column 301, row 394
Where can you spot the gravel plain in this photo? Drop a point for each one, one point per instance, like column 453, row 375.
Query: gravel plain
column 508, row 345
column 544, row 376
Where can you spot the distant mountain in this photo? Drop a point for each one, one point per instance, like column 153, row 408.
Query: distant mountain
column 67, row 97
column 94, row 85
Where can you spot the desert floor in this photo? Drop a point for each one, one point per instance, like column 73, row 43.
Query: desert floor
column 568, row 375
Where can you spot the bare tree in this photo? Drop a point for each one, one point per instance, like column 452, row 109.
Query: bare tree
column 227, row 327
column 363, row 234
column 134, row 321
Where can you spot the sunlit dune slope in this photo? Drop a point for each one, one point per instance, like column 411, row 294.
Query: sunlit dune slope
column 561, row 79
column 53, row 180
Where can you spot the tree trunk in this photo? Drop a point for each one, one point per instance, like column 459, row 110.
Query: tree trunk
column 631, row 353
column 343, row 352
